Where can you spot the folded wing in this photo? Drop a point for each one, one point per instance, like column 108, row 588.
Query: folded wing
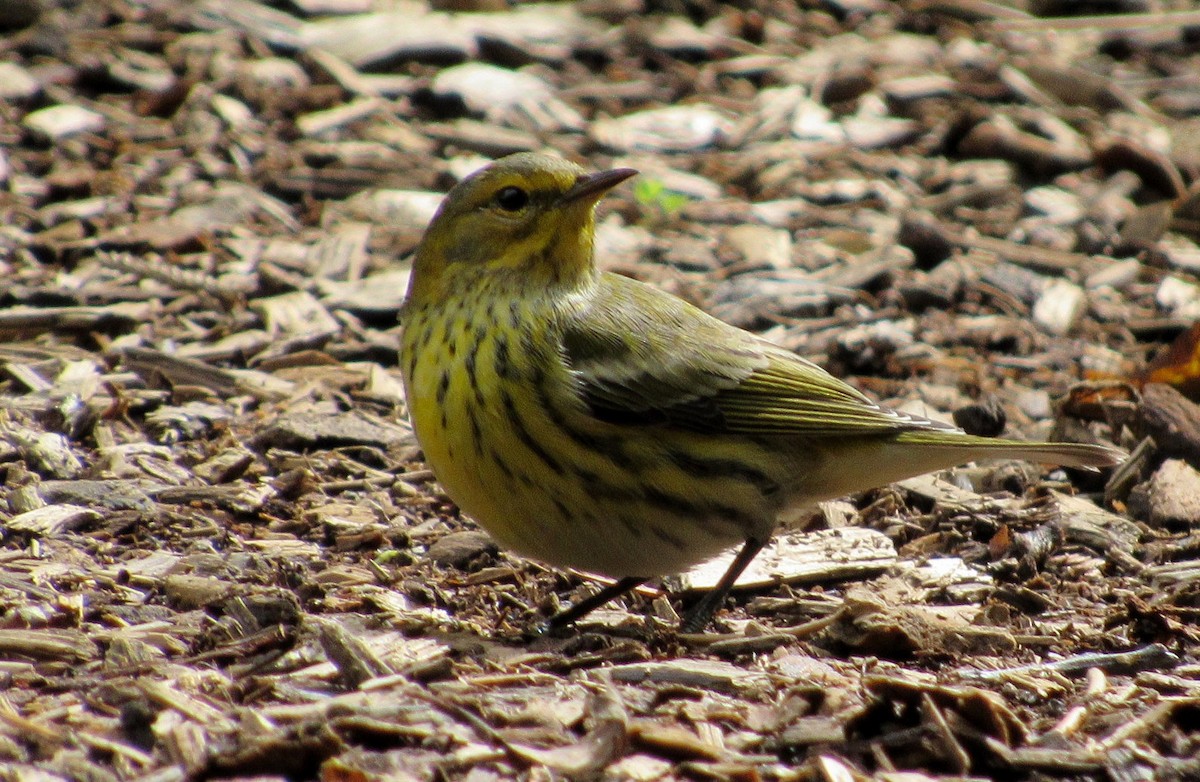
column 687, row 369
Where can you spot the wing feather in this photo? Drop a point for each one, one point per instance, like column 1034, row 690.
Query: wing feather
column 686, row 369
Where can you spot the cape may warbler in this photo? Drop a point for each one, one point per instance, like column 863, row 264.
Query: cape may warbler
column 591, row 421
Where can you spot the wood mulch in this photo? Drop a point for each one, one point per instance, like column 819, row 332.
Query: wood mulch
column 222, row 557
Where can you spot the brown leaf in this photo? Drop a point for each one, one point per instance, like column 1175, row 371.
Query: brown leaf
column 1178, row 365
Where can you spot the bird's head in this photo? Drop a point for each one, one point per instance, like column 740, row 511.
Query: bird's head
column 525, row 214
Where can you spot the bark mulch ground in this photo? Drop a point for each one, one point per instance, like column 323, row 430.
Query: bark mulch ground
column 222, row 557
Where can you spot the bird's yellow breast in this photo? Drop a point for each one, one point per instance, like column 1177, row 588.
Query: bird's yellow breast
column 476, row 404
column 501, row 417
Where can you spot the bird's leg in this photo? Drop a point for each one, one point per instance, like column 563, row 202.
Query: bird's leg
column 589, row 604
column 700, row 615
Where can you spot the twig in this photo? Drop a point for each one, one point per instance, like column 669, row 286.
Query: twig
column 1150, row 657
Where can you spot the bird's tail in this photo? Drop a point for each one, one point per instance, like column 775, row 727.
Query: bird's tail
column 969, row 448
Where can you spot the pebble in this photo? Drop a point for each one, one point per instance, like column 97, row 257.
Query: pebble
column 1175, row 495
column 545, row 32
column 237, row 115
column 1059, row 307
column 1060, row 206
column 409, row 209
column 458, row 549
column 679, row 37
column 486, row 89
column 509, row 97
column 886, row 336
column 672, row 129
column 618, row 244
column 868, row 133
column 760, row 245
column 926, row 237
column 278, row 73
column 1178, row 296
column 812, row 121
column 1181, row 252
column 755, row 298
column 365, row 40
column 55, row 123
column 985, row 418
column 909, row 89
column 16, row 83
column 1035, row 403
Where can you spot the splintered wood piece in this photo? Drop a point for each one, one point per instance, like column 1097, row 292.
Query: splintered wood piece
column 803, row 558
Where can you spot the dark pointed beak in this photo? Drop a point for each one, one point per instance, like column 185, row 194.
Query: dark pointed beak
column 590, row 187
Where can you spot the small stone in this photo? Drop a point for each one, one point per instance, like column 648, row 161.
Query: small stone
column 869, row 132
column 909, row 89
column 459, row 549
column 1061, row 206
column 237, row 115
column 1181, row 252
column 274, row 73
column 487, row 89
column 55, row 123
column 1175, row 495
column 619, row 244
column 1178, row 296
column 1059, row 307
column 813, row 122
column 985, row 418
column 1035, row 403
column 671, row 129
column 1043, row 232
column 408, row 209
column 366, row 40
column 926, row 237
column 681, row 38
column 16, row 83
column 1017, row 281
column 507, row 97
column 639, row 767
column 760, row 245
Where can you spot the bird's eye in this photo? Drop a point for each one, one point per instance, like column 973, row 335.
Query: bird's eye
column 512, row 199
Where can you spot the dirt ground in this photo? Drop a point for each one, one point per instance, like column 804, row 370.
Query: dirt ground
column 222, row 556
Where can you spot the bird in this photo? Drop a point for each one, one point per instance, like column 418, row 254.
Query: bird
column 592, row 421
